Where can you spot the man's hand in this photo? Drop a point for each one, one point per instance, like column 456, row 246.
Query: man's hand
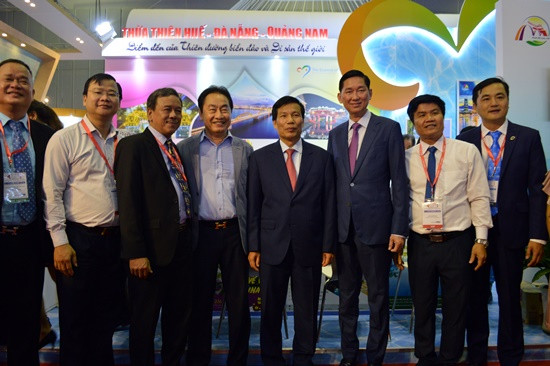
column 254, row 260
column 534, row 251
column 140, row 267
column 398, row 260
column 327, row 259
column 64, row 258
column 479, row 252
column 396, row 243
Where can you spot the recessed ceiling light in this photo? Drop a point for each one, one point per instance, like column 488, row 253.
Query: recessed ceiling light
column 4, row 34
column 27, row 1
column 46, row 100
column 32, row 5
column 23, row 45
column 78, row 38
column 81, row 41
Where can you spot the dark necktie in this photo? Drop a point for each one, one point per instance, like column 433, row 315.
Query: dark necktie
column 493, row 172
column 290, row 168
column 431, row 172
column 22, row 163
column 353, row 147
column 179, row 178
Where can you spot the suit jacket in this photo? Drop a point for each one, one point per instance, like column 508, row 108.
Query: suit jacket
column 40, row 135
column 378, row 210
column 147, row 200
column 520, row 199
column 189, row 151
column 279, row 217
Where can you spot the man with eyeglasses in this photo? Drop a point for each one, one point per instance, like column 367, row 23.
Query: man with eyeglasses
column 22, row 230
column 82, row 217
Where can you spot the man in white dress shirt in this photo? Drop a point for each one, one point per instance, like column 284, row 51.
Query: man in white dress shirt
column 82, row 217
column 450, row 218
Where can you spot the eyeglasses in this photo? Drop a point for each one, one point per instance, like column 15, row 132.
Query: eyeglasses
column 99, row 93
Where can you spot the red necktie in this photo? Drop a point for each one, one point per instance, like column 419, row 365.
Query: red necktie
column 290, row 168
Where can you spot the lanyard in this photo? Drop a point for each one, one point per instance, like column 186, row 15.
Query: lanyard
column 176, row 162
column 432, row 184
column 491, row 156
column 9, row 153
column 89, row 133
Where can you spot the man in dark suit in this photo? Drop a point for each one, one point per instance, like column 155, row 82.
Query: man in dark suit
column 291, row 227
column 515, row 169
column 23, row 235
column 155, row 210
column 217, row 168
column 373, row 211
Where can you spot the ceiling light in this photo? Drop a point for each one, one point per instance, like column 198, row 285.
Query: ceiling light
column 46, row 100
column 78, row 38
column 27, row 1
column 32, row 5
column 23, row 45
column 105, row 31
column 81, row 41
column 4, row 34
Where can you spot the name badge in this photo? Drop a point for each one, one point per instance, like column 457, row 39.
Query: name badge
column 16, row 188
column 493, row 188
column 432, row 215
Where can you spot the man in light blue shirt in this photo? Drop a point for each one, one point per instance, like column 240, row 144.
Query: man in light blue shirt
column 217, row 165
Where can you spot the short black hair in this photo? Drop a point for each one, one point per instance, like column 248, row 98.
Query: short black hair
column 214, row 89
column 45, row 114
column 487, row 82
column 98, row 78
column 287, row 99
column 159, row 93
column 351, row 74
column 424, row 98
column 407, row 136
column 15, row 61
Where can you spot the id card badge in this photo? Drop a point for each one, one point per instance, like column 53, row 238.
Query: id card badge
column 16, row 188
column 432, row 215
column 493, row 188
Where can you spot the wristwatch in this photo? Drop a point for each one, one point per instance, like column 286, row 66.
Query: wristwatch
column 483, row 242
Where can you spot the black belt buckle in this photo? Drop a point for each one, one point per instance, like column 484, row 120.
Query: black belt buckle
column 9, row 230
column 220, row 225
column 437, row 238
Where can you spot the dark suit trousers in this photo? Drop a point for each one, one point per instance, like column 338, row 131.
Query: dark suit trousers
column 91, row 301
column 355, row 260
column 219, row 247
column 305, row 283
column 21, row 281
column 168, row 287
column 429, row 265
column 507, row 264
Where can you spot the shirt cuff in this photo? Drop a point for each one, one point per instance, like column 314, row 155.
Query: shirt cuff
column 540, row 241
column 59, row 238
column 481, row 232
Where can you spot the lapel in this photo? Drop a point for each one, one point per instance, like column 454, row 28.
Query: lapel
column 477, row 138
column 280, row 166
column 512, row 136
column 370, row 136
column 342, row 145
column 237, row 150
column 194, row 151
column 305, row 166
column 155, row 150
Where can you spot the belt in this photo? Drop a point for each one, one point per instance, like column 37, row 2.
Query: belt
column 441, row 237
column 219, row 224
column 15, row 229
column 96, row 230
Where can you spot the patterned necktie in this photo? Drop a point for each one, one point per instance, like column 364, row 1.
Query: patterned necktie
column 493, row 172
column 22, row 163
column 290, row 168
column 431, row 172
column 179, row 178
column 353, row 147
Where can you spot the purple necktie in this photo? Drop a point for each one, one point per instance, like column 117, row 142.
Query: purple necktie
column 353, row 147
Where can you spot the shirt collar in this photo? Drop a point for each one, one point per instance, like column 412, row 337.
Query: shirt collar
column 203, row 136
column 363, row 121
column 297, row 146
column 112, row 129
column 438, row 145
column 5, row 119
column 159, row 136
column 503, row 129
